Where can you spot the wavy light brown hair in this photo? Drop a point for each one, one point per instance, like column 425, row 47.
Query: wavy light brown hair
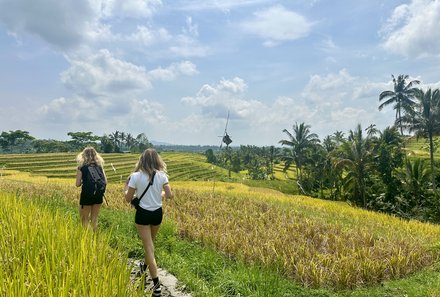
column 150, row 161
column 89, row 156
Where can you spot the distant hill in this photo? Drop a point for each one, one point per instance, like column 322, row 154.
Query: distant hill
column 184, row 148
column 158, row 143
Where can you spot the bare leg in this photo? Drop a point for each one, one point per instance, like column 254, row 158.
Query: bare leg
column 84, row 213
column 154, row 230
column 145, row 233
column 94, row 218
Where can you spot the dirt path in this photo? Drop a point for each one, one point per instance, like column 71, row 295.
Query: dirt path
column 170, row 284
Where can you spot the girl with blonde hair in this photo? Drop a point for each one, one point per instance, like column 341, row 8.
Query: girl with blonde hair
column 90, row 200
column 151, row 180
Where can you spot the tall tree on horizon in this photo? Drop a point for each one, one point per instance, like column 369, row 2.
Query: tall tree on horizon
column 402, row 97
column 425, row 121
column 300, row 142
column 355, row 159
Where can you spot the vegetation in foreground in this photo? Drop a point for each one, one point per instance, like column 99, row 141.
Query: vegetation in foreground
column 46, row 253
column 213, row 263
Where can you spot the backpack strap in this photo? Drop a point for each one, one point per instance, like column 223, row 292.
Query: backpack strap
column 149, row 184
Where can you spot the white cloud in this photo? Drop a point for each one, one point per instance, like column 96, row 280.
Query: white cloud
column 341, row 101
column 146, row 36
column 229, row 96
column 277, row 24
column 174, row 70
column 246, row 115
column 65, row 110
column 236, row 85
column 337, row 101
column 224, row 5
column 191, row 29
column 185, row 45
column 102, row 74
column 348, row 117
column 103, row 116
column 126, row 8
column 328, row 45
column 147, row 111
column 331, row 88
column 64, row 24
column 413, row 30
column 225, row 93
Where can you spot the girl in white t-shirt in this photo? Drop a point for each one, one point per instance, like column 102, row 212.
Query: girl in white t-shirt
column 149, row 169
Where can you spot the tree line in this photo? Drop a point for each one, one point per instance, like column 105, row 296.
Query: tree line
column 20, row 141
column 369, row 168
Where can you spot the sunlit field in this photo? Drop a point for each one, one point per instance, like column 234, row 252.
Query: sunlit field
column 316, row 243
column 50, row 255
column 181, row 166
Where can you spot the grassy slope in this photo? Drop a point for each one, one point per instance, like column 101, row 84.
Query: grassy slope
column 209, row 273
column 181, row 166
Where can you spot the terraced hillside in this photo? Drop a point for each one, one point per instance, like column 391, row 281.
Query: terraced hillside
column 420, row 148
column 181, row 166
column 281, row 175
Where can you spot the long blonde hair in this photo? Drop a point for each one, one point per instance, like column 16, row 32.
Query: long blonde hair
column 89, row 156
column 150, row 161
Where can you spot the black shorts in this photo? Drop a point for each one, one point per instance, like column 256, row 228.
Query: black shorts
column 90, row 199
column 148, row 217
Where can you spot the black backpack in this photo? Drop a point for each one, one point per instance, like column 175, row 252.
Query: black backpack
column 95, row 183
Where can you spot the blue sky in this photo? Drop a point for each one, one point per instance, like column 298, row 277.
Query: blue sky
column 173, row 69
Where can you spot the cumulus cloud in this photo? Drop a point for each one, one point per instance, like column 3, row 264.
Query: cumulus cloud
column 69, row 25
column 64, row 24
column 315, row 90
column 174, row 70
column 215, row 101
column 336, row 101
column 224, row 5
column 229, row 96
column 102, row 115
column 146, row 36
column 225, row 93
column 147, row 111
column 276, row 25
column 65, row 110
column 413, row 30
column 102, row 74
column 341, row 101
column 126, row 8
column 186, row 44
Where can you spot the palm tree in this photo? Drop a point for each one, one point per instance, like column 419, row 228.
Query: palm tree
column 401, row 96
column 388, row 157
column 300, row 142
column 355, row 160
column 115, row 139
column 415, row 181
column 338, row 136
column 129, row 140
column 371, row 130
column 426, row 121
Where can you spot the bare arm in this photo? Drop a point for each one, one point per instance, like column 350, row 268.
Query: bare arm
column 129, row 194
column 105, row 176
column 167, row 193
column 78, row 177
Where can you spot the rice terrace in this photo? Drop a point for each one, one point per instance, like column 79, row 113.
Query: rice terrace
column 222, row 236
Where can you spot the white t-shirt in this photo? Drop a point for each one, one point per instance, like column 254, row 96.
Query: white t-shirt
column 152, row 199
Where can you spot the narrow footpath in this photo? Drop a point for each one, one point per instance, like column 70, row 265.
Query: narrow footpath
column 170, row 285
